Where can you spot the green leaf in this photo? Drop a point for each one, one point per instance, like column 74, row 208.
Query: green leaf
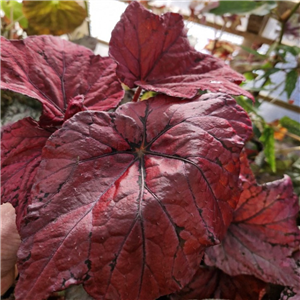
column 270, row 72
column 250, row 75
column 291, row 49
column 256, row 131
column 242, row 7
column 268, row 82
column 290, row 82
column 148, row 95
column 267, row 138
column 246, row 104
column 16, row 8
column 252, row 51
column 291, row 125
column 53, row 17
column 267, row 65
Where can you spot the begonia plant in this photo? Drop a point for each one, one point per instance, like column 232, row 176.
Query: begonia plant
column 137, row 200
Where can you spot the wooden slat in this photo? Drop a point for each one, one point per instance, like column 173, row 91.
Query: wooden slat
column 280, row 103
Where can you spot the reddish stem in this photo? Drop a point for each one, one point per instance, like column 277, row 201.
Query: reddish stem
column 137, row 94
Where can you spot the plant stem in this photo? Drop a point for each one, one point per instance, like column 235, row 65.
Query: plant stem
column 8, row 27
column 218, row 38
column 137, row 95
column 292, row 135
column 88, row 17
column 283, row 22
column 12, row 21
column 288, row 150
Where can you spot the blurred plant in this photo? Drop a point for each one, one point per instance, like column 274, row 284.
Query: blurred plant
column 258, row 68
column 53, row 17
column 244, row 7
column 275, row 60
column 198, row 9
column 275, row 146
column 41, row 17
column 13, row 23
column 233, row 20
column 292, row 27
column 221, row 49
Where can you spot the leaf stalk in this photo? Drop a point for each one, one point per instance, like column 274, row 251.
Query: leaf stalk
column 137, row 94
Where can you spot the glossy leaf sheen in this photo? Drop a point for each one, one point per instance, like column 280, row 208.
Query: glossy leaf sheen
column 21, row 148
column 263, row 235
column 125, row 202
column 153, row 52
column 55, row 71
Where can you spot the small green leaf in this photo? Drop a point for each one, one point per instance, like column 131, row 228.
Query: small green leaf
column 267, row 65
column 148, row 95
column 16, row 8
column 267, row 138
column 291, row 125
column 252, row 51
column 290, row 82
column 250, row 75
column 268, row 82
column 125, row 87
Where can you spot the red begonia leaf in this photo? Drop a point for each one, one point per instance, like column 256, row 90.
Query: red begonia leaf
column 263, row 235
column 213, row 283
column 21, row 148
column 293, row 293
column 55, row 71
column 125, row 202
column 153, row 52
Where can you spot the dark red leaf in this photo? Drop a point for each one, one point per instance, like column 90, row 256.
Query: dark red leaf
column 125, row 202
column 153, row 52
column 56, row 71
column 202, row 286
column 213, row 283
column 242, row 287
column 263, row 235
column 21, row 148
